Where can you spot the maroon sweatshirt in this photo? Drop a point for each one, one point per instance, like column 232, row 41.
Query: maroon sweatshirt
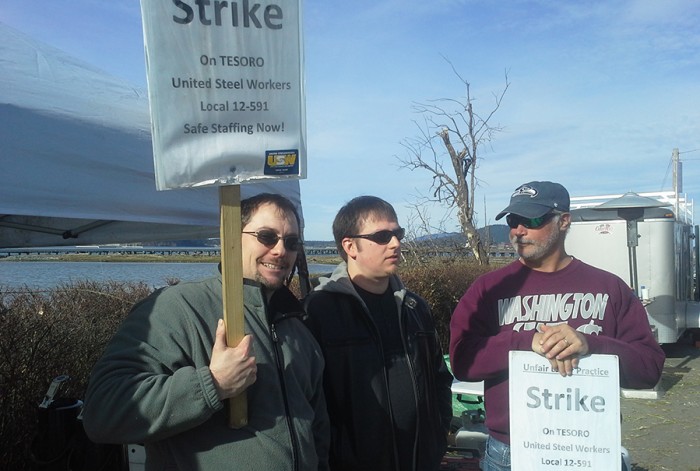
column 502, row 310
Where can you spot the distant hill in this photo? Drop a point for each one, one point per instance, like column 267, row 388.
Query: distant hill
column 495, row 234
column 492, row 235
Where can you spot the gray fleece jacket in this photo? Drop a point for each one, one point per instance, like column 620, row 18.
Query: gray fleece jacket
column 153, row 385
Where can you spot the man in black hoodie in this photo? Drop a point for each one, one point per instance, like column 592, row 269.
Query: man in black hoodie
column 386, row 383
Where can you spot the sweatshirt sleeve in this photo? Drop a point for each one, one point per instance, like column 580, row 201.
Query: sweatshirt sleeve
column 478, row 347
column 146, row 386
column 640, row 356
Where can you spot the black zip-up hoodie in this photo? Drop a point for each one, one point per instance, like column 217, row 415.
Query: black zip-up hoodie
column 355, row 378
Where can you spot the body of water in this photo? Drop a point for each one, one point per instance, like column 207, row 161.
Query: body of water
column 46, row 275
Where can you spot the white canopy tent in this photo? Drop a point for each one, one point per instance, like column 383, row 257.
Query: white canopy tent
column 76, row 159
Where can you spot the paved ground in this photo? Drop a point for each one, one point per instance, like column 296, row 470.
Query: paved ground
column 664, row 434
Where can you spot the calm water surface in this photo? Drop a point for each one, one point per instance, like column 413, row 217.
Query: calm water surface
column 45, row 275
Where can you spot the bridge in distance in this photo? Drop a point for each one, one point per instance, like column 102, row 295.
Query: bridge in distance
column 495, row 251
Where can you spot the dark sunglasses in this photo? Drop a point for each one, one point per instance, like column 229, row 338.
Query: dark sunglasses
column 382, row 237
column 513, row 221
column 269, row 239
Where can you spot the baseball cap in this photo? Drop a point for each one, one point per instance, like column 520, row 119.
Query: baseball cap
column 535, row 199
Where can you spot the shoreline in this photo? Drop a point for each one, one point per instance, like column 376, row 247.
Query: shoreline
column 144, row 258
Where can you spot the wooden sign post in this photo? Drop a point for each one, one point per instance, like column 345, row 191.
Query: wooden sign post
column 232, row 286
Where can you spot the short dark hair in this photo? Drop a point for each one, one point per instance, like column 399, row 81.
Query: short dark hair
column 250, row 206
column 351, row 216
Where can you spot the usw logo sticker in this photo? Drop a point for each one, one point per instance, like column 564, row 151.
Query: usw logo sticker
column 282, row 162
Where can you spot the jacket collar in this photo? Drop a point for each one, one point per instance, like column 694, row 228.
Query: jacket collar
column 340, row 282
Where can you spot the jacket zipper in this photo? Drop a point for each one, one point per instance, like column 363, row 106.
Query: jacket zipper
column 288, row 417
column 413, row 383
column 386, row 379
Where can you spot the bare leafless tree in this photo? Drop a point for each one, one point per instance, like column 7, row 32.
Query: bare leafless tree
column 451, row 135
column 420, row 222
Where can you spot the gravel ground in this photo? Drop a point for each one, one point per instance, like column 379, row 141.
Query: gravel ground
column 664, row 434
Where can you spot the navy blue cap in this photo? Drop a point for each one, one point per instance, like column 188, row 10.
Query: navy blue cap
column 535, row 199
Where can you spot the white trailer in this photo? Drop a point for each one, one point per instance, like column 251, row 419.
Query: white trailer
column 652, row 246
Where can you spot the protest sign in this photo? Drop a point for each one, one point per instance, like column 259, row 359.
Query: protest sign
column 564, row 423
column 226, row 91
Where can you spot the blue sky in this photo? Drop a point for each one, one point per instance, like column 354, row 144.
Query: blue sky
column 600, row 93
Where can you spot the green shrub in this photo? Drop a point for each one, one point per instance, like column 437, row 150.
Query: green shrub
column 64, row 331
column 442, row 283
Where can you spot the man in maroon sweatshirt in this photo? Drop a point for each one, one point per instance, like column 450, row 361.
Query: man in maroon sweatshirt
column 550, row 303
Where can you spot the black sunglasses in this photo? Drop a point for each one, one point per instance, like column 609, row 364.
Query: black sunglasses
column 513, row 221
column 269, row 239
column 382, row 237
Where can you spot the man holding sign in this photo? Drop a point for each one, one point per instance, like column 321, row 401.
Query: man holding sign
column 166, row 373
column 550, row 303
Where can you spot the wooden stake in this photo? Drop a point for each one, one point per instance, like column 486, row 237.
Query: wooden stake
column 232, row 286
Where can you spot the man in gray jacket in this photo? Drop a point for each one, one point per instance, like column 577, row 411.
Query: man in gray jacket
column 163, row 378
column 386, row 382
